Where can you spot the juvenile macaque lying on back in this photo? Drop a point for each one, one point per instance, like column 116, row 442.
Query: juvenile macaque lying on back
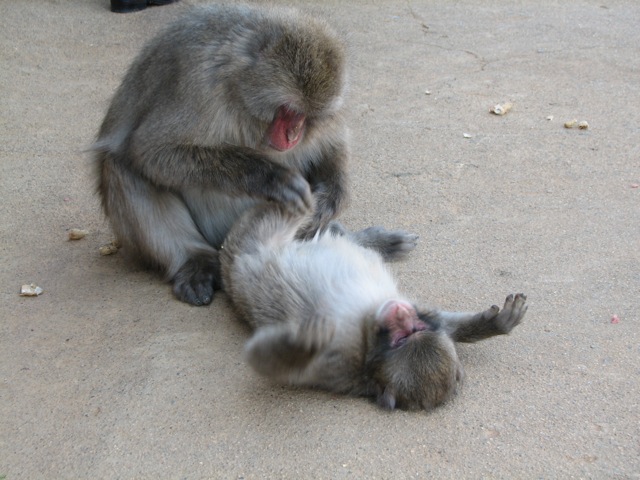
column 327, row 313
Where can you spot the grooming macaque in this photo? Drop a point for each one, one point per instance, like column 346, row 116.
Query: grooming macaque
column 229, row 106
column 327, row 312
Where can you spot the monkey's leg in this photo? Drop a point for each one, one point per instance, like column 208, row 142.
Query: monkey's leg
column 471, row 327
column 279, row 351
column 263, row 225
column 157, row 225
column 391, row 244
column 266, row 224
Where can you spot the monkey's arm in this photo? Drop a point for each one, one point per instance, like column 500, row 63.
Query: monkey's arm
column 471, row 327
column 227, row 168
column 278, row 351
column 328, row 182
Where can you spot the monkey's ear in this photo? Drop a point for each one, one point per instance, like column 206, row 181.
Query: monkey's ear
column 387, row 399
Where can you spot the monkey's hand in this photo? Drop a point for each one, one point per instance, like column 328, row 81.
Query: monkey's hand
column 468, row 327
column 326, row 209
column 278, row 351
column 511, row 314
column 289, row 188
column 391, row 244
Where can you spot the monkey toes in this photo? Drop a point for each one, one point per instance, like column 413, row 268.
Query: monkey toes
column 197, row 279
column 512, row 313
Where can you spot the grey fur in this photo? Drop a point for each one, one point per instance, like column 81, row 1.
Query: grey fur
column 184, row 148
column 316, row 308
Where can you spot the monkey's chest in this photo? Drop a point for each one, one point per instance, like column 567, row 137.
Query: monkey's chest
column 340, row 278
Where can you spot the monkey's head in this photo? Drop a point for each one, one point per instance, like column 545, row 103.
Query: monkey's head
column 294, row 79
column 415, row 365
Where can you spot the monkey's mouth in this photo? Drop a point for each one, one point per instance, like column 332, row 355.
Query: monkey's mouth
column 286, row 130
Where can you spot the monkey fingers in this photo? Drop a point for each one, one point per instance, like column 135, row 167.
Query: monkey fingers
column 512, row 313
column 292, row 190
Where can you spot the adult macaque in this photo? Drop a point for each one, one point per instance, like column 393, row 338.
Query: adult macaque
column 327, row 312
column 228, row 106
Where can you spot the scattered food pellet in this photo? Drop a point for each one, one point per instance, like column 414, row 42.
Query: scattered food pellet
column 615, row 319
column 77, row 233
column 583, row 125
column 635, row 185
column 427, row 92
column 467, row 135
column 501, row 109
column 31, row 290
column 109, row 248
column 550, row 117
column 570, row 123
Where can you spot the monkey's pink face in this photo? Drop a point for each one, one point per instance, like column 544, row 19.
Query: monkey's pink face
column 286, row 129
column 401, row 319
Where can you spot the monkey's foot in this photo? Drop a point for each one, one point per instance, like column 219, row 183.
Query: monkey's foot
column 391, row 244
column 197, row 279
column 511, row 314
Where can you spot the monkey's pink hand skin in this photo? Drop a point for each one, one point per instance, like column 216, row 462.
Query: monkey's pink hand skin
column 327, row 313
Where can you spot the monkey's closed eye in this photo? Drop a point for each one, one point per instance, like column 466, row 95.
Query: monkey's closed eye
column 431, row 323
column 383, row 332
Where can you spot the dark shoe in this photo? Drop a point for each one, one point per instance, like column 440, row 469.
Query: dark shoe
column 125, row 6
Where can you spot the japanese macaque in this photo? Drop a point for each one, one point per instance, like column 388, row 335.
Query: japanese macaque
column 327, row 312
column 229, row 106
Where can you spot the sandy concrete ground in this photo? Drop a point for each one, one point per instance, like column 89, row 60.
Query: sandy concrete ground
column 105, row 375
